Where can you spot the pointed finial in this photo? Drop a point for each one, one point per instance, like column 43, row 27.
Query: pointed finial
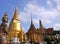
column 6, row 14
column 31, row 20
column 15, row 13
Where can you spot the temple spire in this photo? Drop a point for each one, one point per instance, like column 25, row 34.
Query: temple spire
column 5, row 17
column 41, row 26
column 31, row 20
column 32, row 25
column 15, row 14
column 6, row 14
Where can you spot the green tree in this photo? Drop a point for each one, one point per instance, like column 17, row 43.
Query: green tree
column 47, row 38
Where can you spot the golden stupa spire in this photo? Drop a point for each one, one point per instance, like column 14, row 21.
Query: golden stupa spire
column 15, row 23
column 15, row 14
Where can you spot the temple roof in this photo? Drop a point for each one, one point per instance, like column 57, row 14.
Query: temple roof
column 32, row 28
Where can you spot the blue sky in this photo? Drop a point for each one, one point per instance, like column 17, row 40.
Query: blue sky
column 48, row 11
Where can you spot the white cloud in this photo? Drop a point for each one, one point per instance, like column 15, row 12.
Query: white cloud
column 58, row 4
column 49, row 3
column 38, row 12
column 56, row 27
column 58, row 7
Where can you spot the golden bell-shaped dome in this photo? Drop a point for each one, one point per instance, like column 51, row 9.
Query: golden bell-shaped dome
column 15, row 23
column 15, row 28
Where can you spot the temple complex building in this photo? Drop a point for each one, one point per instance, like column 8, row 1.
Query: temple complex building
column 15, row 33
column 35, row 35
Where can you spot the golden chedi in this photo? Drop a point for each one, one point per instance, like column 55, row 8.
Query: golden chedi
column 15, row 27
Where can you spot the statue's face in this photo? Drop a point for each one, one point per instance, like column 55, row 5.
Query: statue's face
column 6, row 19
